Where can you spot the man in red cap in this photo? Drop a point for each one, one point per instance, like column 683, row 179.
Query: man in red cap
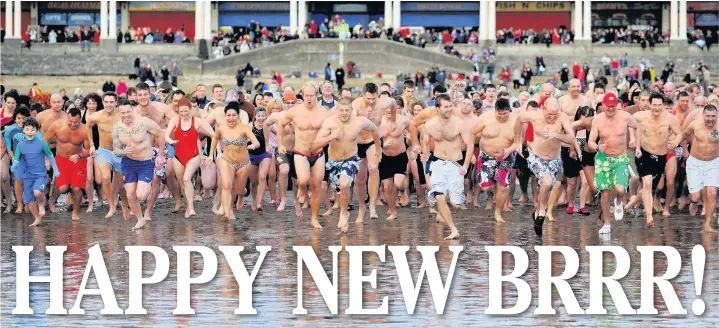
column 611, row 162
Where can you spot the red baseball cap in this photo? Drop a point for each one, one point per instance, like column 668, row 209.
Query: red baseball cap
column 610, row 100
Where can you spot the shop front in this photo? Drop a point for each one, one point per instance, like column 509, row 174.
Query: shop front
column 242, row 14
column 438, row 15
column 537, row 15
column 637, row 16
column 161, row 15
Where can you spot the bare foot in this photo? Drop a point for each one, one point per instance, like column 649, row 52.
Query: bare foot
column 140, row 224
column 498, row 218
column 298, row 210
column 452, row 235
column 126, row 215
column 240, row 202
column 360, row 215
column 522, row 201
column 281, row 208
column 75, row 217
column 665, row 213
column 392, row 216
column 476, row 205
column 36, row 223
column 218, row 210
column 51, row 206
column 489, row 206
column 379, row 202
column 420, row 205
column 147, row 215
column 708, row 228
column 231, row 216
column 18, row 210
column 693, row 207
column 327, row 213
column 110, row 213
column 301, row 196
column 657, row 206
column 550, row 217
column 190, row 212
column 177, row 208
column 89, row 208
column 404, row 201
column 507, row 208
column 306, row 205
column 463, row 207
column 373, row 215
column 650, row 222
column 41, row 211
column 336, row 205
column 316, row 224
column 7, row 210
column 432, row 210
column 254, row 207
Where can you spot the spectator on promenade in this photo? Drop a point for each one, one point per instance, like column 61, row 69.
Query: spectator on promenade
column 85, row 38
column 340, row 77
column 165, row 73
column 541, row 66
column 121, row 87
column 174, row 73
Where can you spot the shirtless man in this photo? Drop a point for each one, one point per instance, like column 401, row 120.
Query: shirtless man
column 393, row 167
column 48, row 117
column 703, row 163
column 657, row 125
column 368, row 177
column 157, row 111
column 341, row 132
column 642, row 105
column 447, row 174
column 469, row 119
column 551, row 129
column 611, row 162
column 694, row 90
column 309, row 161
column 496, row 154
column 574, row 99
column 106, row 159
column 490, row 92
column 285, row 162
column 132, row 140
column 73, row 148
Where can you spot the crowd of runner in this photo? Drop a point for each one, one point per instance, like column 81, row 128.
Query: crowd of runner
column 330, row 148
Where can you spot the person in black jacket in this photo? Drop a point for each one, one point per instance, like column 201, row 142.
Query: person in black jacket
column 108, row 86
column 340, row 77
column 540, row 63
column 165, row 73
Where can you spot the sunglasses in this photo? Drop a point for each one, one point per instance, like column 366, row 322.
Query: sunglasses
column 291, row 103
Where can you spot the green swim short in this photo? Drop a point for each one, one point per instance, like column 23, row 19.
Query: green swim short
column 611, row 171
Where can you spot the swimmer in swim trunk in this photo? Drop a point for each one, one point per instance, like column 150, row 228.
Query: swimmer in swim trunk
column 611, row 162
column 341, row 132
column 132, row 141
column 73, row 148
column 393, row 167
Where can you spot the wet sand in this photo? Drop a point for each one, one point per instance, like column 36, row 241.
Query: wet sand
column 275, row 289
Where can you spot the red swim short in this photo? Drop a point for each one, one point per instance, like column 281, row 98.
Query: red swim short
column 73, row 174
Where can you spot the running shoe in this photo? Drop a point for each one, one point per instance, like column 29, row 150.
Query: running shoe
column 618, row 211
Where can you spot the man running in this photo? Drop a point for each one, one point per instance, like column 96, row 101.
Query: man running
column 368, row 177
column 132, row 140
column 611, row 162
column 393, row 167
column 447, row 174
column 341, row 132
column 703, row 163
column 309, row 161
column 657, row 125
column 106, row 159
column 157, row 111
column 73, row 148
column 551, row 129
column 496, row 154
column 574, row 99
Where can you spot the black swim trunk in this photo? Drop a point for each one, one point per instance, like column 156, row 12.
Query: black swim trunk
column 312, row 157
column 391, row 165
column 467, row 174
column 571, row 166
column 430, row 160
column 362, row 148
column 420, row 171
column 650, row 164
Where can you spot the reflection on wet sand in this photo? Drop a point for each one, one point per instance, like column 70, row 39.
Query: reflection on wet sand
column 275, row 290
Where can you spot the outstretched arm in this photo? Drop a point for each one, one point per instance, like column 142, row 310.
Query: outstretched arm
column 324, row 136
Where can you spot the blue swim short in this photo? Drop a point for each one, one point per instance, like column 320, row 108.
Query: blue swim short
column 137, row 171
column 29, row 185
column 107, row 156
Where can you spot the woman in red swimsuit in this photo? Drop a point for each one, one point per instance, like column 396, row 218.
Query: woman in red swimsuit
column 183, row 131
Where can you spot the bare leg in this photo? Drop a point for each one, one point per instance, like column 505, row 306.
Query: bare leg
column 317, row 172
column 17, row 186
column 343, row 200
column 283, row 176
column 76, row 200
column 501, row 198
column 373, row 182
column 154, row 193
column 647, row 197
column 131, row 190
column 272, row 177
column 173, row 185
column 544, row 193
column 446, row 215
column 709, row 203
column 552, row 201
column 124, row 202
column 262, row 185
column 670, row 173
column 361, row 186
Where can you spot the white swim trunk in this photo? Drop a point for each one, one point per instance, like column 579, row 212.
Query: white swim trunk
column 446, row 180
column 702, row 174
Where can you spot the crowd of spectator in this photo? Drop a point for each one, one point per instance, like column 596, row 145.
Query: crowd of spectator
column 146, row 35
column 560, row 35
